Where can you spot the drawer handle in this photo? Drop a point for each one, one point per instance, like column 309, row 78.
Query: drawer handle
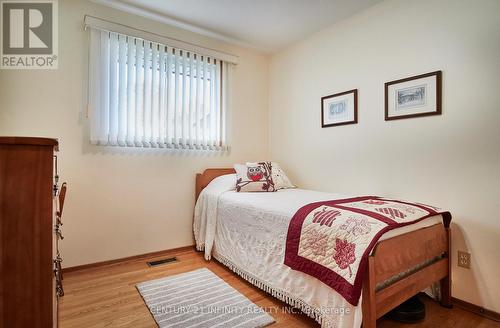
column 59, row 233
column 58, row 275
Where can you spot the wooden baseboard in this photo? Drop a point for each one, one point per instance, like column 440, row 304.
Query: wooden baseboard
column 492, row 315
column 128, row 259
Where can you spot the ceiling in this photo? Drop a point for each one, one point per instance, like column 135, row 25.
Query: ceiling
column 266, row 25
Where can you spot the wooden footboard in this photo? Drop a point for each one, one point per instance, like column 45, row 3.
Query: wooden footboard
column 401, row 254
column 390, row 258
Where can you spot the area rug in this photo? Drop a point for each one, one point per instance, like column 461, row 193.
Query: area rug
column 200, row 299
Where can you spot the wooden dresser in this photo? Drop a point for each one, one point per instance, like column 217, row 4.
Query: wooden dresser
column 29, row 284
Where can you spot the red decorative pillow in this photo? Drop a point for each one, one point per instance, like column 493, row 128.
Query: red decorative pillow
column 280, row 180
column 254, row 177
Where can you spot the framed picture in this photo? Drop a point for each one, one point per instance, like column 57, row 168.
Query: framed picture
column 339, row 109
column 413, row 97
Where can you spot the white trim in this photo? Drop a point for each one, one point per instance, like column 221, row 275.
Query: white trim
column 132, row 9
column 102, row 24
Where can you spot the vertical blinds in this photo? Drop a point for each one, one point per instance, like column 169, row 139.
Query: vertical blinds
column 146, row 94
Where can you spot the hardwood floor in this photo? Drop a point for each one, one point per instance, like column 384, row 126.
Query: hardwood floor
column 106, row 297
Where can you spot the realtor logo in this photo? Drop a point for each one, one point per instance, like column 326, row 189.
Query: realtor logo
column 29, row 34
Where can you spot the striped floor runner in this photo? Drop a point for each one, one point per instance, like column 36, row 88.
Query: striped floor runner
column 200, row 299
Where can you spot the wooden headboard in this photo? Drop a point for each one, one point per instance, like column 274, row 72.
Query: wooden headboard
column 203, row 179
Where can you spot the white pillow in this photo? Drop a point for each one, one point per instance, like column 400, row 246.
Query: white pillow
column 281, row 181
column 224, row 182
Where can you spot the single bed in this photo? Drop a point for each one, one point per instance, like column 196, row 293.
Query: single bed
column 250, row 239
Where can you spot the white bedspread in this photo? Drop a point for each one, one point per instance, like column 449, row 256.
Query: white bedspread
column 248, row 234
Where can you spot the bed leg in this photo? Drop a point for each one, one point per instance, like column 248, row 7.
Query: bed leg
column 368, row 305
column 446, row 292
column 446, row 281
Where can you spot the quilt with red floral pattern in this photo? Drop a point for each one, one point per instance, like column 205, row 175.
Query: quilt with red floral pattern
column 331, row 240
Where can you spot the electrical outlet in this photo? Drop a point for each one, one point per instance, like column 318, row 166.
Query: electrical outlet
column 464, row 259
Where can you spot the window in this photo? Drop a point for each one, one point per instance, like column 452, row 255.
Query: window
column 147, row 94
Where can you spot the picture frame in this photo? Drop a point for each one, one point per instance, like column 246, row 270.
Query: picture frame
column 414, row 96
column 339, row 109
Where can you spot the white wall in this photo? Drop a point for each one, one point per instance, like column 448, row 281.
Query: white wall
column 452, row 161
column 124, row 202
